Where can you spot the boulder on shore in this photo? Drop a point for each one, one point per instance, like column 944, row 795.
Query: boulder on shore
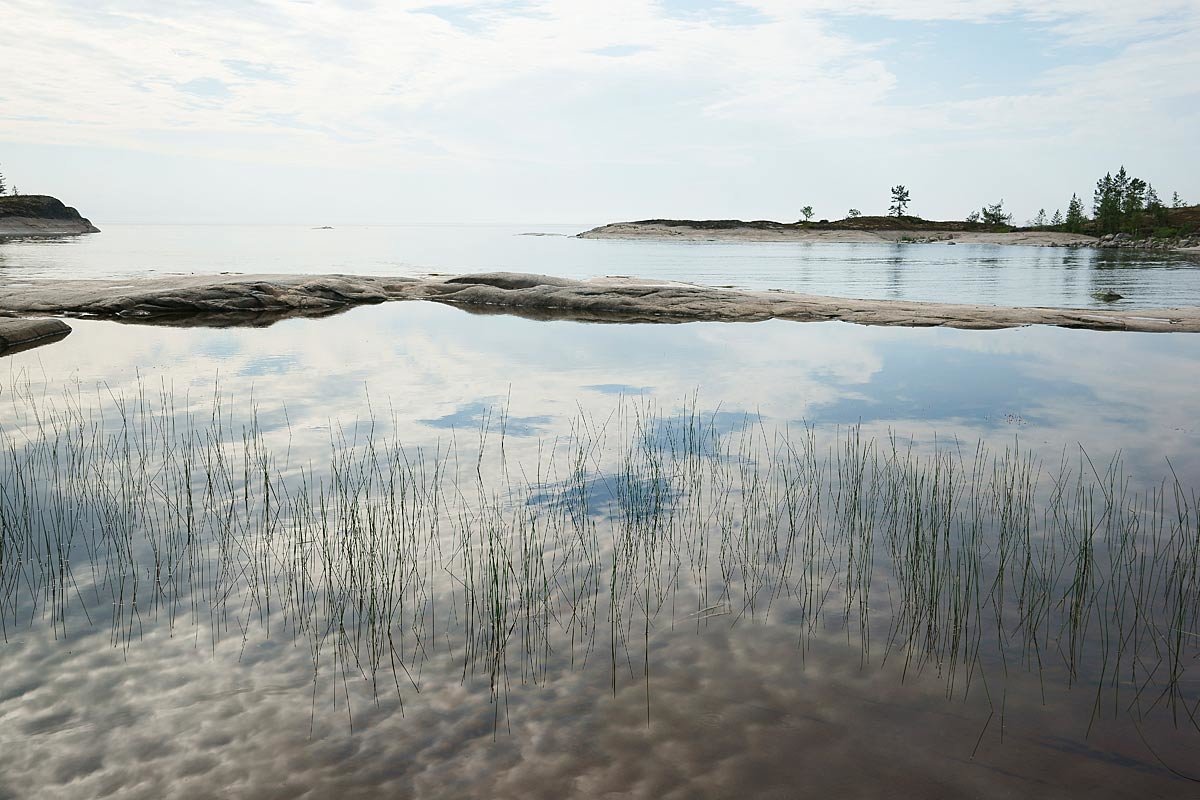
column 21, row 334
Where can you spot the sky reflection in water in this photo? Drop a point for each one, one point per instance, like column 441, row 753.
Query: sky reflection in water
column 987, row 274
column 732, row 707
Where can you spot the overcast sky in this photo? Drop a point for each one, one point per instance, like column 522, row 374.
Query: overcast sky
column 584, row 112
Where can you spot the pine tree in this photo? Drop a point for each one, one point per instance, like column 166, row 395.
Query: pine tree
column 1040, row 220
column 807, row 211
column 1057, row 219
column 994, row 214
column 1075, row 218
column 1176, row 200
column 1, row 183
column 900, row 199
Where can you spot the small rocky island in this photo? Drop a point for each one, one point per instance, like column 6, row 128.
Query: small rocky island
column 856, row 229
column 40, row 215
column 1176, row 228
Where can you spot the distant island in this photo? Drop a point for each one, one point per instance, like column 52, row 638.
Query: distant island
column 852, row 229
column 1180, row 231
column 1127, row 213
column 40, row 215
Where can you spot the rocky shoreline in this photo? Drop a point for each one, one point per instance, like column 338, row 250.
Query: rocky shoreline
column 40, row 215
column 1123, row 241
column 258, row 300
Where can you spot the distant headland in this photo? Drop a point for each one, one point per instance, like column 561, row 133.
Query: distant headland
column 40, row 215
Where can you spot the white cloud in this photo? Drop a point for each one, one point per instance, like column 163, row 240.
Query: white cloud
column 456, row 88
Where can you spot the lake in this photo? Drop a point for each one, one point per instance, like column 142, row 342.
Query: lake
column 410, row 551
column 988, row 274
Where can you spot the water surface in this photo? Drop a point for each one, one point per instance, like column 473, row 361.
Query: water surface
column 988, row 274
column 609, row 600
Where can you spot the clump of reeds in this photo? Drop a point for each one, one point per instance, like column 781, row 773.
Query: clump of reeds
column 152, row 509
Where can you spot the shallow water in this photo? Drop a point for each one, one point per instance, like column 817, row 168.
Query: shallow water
column 988, row 274
column 648, row 672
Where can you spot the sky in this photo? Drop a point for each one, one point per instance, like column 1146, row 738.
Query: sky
column 573, row 111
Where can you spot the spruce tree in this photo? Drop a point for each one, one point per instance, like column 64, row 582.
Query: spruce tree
column 1, row 183
column 1132, row 204
column 1121, row 182
column 1075, row 218
column 1103, row 190
column 1107, row 201
column 1057, row 219
column 1134, row 198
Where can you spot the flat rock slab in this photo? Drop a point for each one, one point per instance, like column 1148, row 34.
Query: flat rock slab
column 22, row 334
column 262, row 299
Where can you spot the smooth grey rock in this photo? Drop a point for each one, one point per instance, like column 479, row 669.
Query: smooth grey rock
column 262, row 299
column 22, row 334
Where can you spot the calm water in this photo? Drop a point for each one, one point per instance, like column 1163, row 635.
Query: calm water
column 1029, row 276
column 638, row 588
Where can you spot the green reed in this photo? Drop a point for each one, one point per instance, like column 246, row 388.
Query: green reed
column 375, row 554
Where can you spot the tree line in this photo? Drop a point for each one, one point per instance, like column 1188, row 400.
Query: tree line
column 1121, row 203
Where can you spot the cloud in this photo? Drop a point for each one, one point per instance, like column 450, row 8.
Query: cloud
column 475, row 90
column 344, row 62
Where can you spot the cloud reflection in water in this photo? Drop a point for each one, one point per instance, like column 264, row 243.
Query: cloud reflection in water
column 733, row 707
